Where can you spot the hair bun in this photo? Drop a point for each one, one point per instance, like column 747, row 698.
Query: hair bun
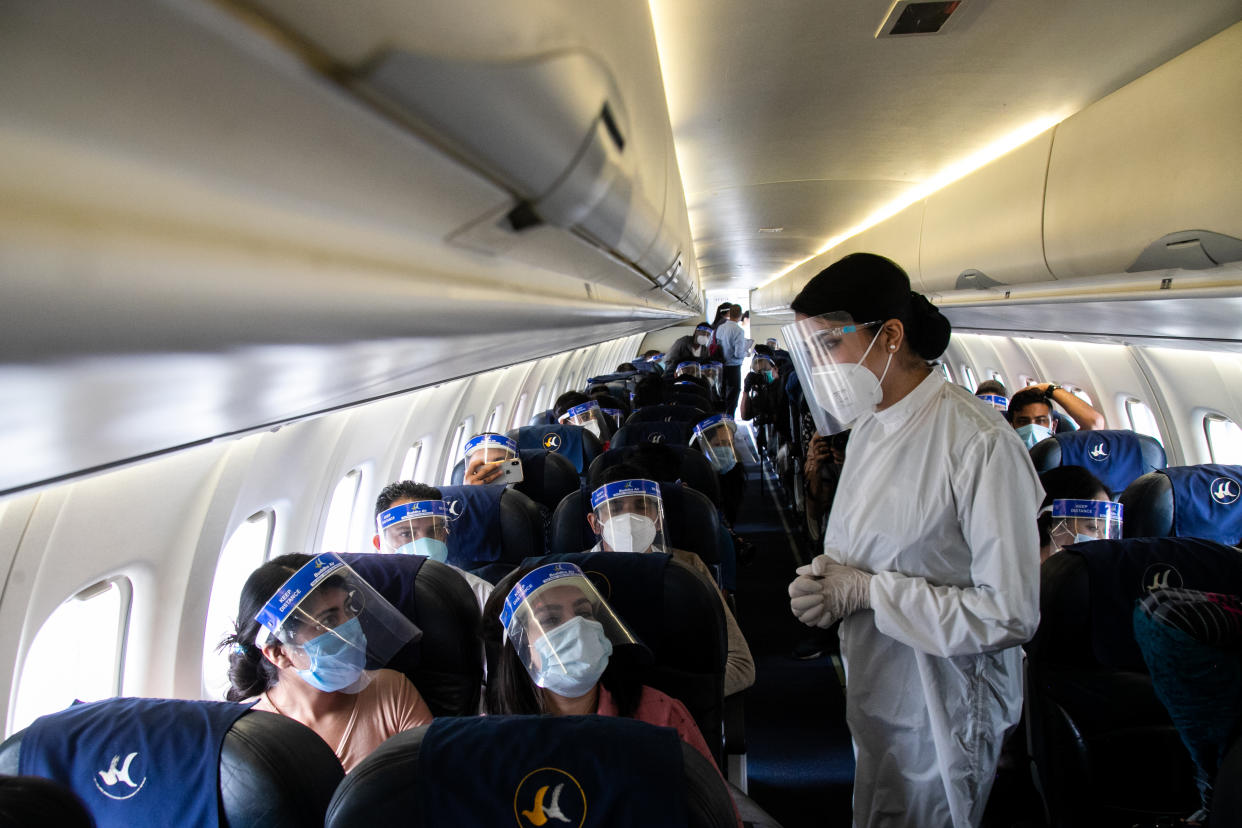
column 931, row 329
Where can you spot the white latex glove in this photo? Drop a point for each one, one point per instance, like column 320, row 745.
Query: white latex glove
column 825, row 592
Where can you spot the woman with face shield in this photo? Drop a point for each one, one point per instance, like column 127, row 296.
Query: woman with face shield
column 714, row 438
column 589, row 416
column 930, row 559
column 1071, row 484
column 563, row 651
column 711, row 372
column 311, row 640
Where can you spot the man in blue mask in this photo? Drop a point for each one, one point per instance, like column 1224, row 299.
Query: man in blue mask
column 1030, row 412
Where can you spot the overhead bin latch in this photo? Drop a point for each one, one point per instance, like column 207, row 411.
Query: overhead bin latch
column 1188, row 250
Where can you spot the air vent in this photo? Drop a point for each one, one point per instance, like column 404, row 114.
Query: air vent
column 912, row 18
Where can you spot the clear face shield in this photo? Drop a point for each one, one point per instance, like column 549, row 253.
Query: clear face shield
column 1079, row 521
column 765, row 367
column 333, row 625
column 588, row 415
column 688, row 369
column 562, row 629
column 614, row 416
column 771, row 343
column 491, row 459
column 995, row 400
column 714, row 437
column 702, row 335
column 827, row 351
column 628, row 516
column 712, row 372
column 418, row 528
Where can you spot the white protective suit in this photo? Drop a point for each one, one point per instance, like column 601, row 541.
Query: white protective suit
column 938, row 499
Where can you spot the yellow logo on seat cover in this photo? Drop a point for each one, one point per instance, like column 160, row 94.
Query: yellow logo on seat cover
column 551, row 797
column 552, row 442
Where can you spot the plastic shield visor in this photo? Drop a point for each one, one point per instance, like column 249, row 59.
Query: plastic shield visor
column 826, row 351
column 491, row 448
column 762, row 364
column 589, row 416
column 1097, row 519
column 418, row 528
column 714, row 437
column 629, row 516
column 995, row 400
column 614, row 416
column 334, row 625
column 560, row 626
column 688, row 369
column 711, row 372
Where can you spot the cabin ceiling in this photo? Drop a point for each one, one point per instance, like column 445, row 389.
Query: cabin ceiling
column 792, row 114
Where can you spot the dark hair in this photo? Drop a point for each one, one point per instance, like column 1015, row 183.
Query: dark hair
column 510, row 690
column 607, row 400
column 764, row 350
column 646, row 461
column 567, row 401
column 648, row 391
column 626, row 366
column 33, row 800
column 1066, row 483
column 250, row 673
column 1025, row 397
column 402, row 490
column 992, row 387
column 872, row 288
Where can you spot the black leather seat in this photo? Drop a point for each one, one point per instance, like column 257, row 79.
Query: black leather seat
column 1116, row 457
column 667, row 413
column 691, row 522
column 546, row 476
column 274, row 772
column 385, row 788
column 445, row 664
column 1185, row 501
column 670, row 433
column 1104, row 748
column 686, row 465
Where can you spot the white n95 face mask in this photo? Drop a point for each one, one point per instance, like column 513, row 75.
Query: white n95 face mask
column 849, row 390
column 592, row 427
column 628, row 532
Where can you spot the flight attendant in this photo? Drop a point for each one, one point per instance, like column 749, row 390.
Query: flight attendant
column 931, row 558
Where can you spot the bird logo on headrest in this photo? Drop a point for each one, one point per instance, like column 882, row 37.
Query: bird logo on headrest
column 554, row 801
column 454, row 507
column 113, row 775
column 655, row 438
column 552, row 441
column 1098, row 452
column 1225, row 490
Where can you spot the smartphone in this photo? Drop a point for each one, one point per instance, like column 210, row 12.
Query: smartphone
column 510, row 472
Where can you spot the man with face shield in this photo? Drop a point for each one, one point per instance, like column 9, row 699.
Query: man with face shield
column 311, row 640
column 930, row 557
column 694, row 347
column 411, row 519
column 490, row 459
column 589, row 416
column 628, row 516
column 564, row 651
column 711, row 371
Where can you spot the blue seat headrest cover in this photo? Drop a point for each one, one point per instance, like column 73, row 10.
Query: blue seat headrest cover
column 135, row 761
column 393, row 577
column 553, row 770
column 474, row 524
column 565, row 440
column 1206, row 502
column 1115, row 457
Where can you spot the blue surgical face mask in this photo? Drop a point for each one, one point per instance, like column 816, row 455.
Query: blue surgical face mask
column 1081, row 538
column 572, row 657
column 1033, row 433
column 723, row 459
column 432, row 548
column 337, row 657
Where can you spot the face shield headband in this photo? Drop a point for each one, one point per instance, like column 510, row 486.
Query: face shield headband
column 418, row 528
column 995, row 400
column 492, row 444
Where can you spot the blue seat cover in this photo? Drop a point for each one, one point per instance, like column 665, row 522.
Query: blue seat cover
column 1115, row 457
column 674, row 434
column 565, row 440
column 542, row 770
column 474, row 524
column 1206, row 502
column 135, row 761
column 392, row 576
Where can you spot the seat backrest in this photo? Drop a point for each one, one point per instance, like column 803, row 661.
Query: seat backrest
column 269, row 770
column 1117, row 458
column 491, row 528
column 697, row 402
column 689, row 467
column 1103, row 745
column 688, row 385
column 575, row 443
column 667, row 413
column 487, row 770
column 444, row 664
column 691, row 522
column 540, row 418
column 1186, row 502
column 673, row 434
column 546, row 476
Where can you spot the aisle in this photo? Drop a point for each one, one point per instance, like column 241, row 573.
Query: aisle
column 801, row 764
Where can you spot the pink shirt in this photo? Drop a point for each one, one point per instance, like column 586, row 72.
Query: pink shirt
column 665, row 711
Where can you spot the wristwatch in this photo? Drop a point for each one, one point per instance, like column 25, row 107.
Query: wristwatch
column 1051, row 388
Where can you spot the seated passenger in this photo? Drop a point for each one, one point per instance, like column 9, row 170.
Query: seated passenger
column 692, row 347
column 624, row 367
column 1030, row 412
column 648, row 391
column 714, row 438
column 627, row 515
column 993, row 393
column 1080, row 495
column 488, row 459
column 586, row 414
column 713, row 373
column 566, row 656
column 410, row 519
column 688, row 368
column 304, row 655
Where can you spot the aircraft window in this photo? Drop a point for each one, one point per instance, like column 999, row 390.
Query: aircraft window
column 946, row 370
column 246, row 549
column 1141, row 419
column 996, row 375
column 519, row 412
column 1224, row 439
column 1079, row 393
column 464, row 432
column 493, row 419
column 337, row 536
column 1024, row 381
column 540, row 403
column 77, row 653
column 971, row 385
column 409, row 466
